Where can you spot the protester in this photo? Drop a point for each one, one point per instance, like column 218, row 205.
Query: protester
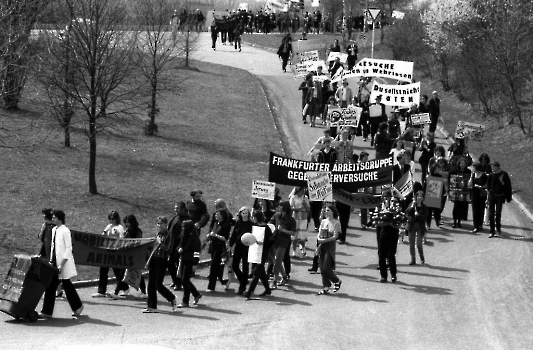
column 217, row 248
column 460, row 203
column 387, row 242
column 394, row 126
column 376, row 120
column 237, row 37
column 313, row 101
column 243, row 224
column 364, row 121
column 352, row 51
column 478, row 183
column 259, row 273
column 284, row 51
column 434, row 111
column 499, row 190
column 189, row 250
column 456, row 151
column 115, row 230
column 427, row 149
column 61, row 257
column 174, row 227
column 45, row 235
column 285, row 227
column 382, row 141
column 300, row 211
column 328, row 234
column 344, row 94
column 327, row 154
column 157, row 265
column 197, row 210
column 335, row 68
column 436, row 171
column 214, row 35
column 133, row 231
column 397, row 150
column 417, row 213
column 265, row 206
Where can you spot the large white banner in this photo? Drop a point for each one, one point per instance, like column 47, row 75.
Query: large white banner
column 373, row 67
column 397, row 95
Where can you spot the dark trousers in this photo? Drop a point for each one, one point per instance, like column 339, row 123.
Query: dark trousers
column 364, row 216
column 213, row 40
column 188, row 287
column 156, row 275
column 478, row 210
column 238, row 40
column 216, row 269
column 374, row 126
column 344, row 218
column 388, row 243
column 436, row 213
column 424, row 167
column 284, row 61
column 316, row 210
column 223, row 37
column 286, row 262
column 50, row 295
column 102, row 282
column 327, row 262
column 259, row 275
column 495, row 212
column 172, row 266
column 240, row 254
column 433, row 124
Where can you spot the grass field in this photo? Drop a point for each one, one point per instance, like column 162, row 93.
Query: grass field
column 218, row 142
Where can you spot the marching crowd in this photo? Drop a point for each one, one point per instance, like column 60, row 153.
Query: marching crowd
column 286, row 222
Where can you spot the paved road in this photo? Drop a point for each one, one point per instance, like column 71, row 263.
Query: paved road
column 474, row 293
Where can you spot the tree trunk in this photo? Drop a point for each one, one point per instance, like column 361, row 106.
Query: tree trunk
column 92, row 156
column 66, row 130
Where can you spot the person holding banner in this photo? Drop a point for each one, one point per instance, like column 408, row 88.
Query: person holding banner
column 284, row 51
column 113, row 229
column 327, row 154
column 243, row 224
column 285, row 227
column 157, row 265
column 300, row 210
column 436, row 170
column 478, row 183
column 328, row 234
column 133, row 231
column 460, row 203
column 417, row 213
column 259, row 273
column 61, row 257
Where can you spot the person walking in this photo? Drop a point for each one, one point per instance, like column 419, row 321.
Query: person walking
column 284, row 51
column 328, row 234
column 285, row 227
column 243, row 224
column 133, row 231
column 478, row 184
column 157, row 265
column 189, row 250
column 174, row 227
column 61, row 256
column 417, row 213
column 218, row 236
column 499, row 190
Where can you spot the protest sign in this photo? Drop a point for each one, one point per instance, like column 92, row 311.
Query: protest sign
column 471, row 130
column 357, row 200
column 300, row 70
column 349, row 177
column 458, row 188
column 373, row 67
column 396, row 95
column 319, row 186
column 263, row 189
column 344, row 116
column 420, row 119
column 342, row 56
column 309, row 56
column 11, row 288
column 405, row 184
column 98, row 250
column 299, row 47
column 133, row 277
column 434, row 191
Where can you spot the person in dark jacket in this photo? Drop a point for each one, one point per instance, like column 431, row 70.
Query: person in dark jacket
column 427, row 148
column 197, row 210
column 133, row 231
column 417, row 214
column 189, row 250
column 243, row 224
column 259, row 273
column 383, row 142
column 157, row 264
column 434, row 111
column 174, row 227
column 499, row 190
column 219, row 236
column 284, row 51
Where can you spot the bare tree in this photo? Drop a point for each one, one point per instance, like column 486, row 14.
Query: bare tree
column 161, row 46
column 100, row 56
column 17, row 18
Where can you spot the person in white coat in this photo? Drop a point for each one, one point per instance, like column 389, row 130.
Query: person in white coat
column 61, row 257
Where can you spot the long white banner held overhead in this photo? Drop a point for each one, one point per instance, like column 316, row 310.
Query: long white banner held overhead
column 396, row 95
column 373, row 67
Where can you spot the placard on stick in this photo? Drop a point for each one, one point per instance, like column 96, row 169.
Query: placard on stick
column 263, row 189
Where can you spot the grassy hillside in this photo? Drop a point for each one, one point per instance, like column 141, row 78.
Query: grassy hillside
column 216, row 136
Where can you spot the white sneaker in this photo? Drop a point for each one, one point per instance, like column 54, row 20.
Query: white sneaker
column 124, row 293
column 142, row 296
column 101, row 295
